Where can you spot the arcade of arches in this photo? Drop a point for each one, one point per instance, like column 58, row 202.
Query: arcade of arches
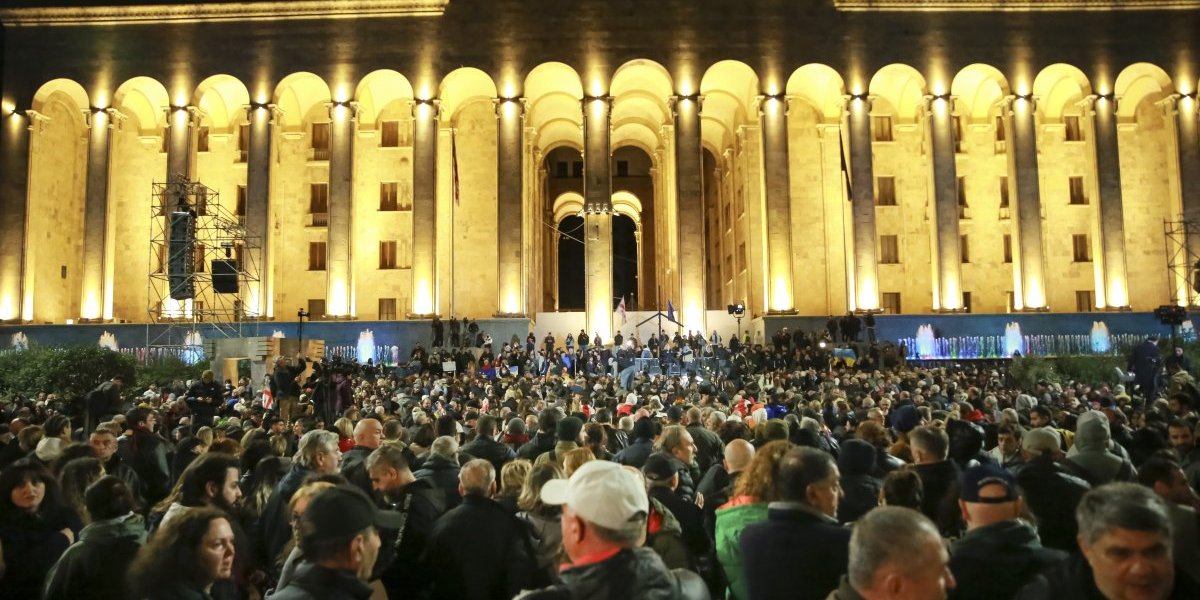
column 901, row 193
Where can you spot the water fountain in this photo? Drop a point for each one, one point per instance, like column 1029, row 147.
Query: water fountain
column 366, row 346
column 925, row 344
column 278, row 334
column 19, row 341
column 395, row 355
column 108, row 340
column 193, row 348
column 1013, row 342
column 1187, row 331
column 1101, row 340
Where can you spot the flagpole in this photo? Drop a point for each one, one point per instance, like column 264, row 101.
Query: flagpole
column 453, row 205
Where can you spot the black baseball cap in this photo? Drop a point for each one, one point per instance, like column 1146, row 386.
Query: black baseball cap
column 660, row 467
column 343, row 511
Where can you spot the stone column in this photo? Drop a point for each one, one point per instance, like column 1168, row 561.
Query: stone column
column 93, row 304
column 424, row 208
column 258, row 195
column 1115, row 284
column 510, row 263
column 689, row 190
column 180, row 122
column 862, row 200
column 597, row 196
column 14, row 188
column 339, row 275
column 777, row 195
column 1023, row 181
column 939, row 110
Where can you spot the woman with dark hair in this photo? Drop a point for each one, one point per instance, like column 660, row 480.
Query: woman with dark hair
column 94, row 567
column 35, row 528
column 543, row 519
column 59, row 426
column 74, row 479
column 258, row 484
column 185, row 558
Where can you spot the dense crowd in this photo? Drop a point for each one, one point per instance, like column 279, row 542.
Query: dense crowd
column 683, row 467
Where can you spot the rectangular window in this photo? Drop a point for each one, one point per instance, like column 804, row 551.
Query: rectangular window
column 958, row 134
column 198, row 258
column 202, row 201
column 729, row 265
column 577, row 169
column 1012, row 301
column 1007, row 248
column 560, row 170
column 202, row 139
column 387, row 309
column 1001, row 133
column 741, row 265
column 1081, row 247
column 389, row 134
column 961, row 186
column 885, row 191
column 243, row 142
column 622, row 168
column 240, row 210
column 966, row 301
column 316, row 256
column 388, row 199
column 889, row 249
column 316, row 308
column 881, row 129
column 320, row 141
column 1074, row 133
column 318, row 198
column 890, row 302
column 965, row 248
column 1077, row 193
column 387, row 254
column 1085, row 300
column 1003, row 191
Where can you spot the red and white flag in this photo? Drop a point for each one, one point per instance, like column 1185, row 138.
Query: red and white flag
column 621, row 309
column 268, row 400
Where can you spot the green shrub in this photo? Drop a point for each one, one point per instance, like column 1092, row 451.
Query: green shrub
column 165, row 371
column 70, row 372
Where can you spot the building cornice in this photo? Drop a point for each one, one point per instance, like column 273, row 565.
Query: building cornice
column 1010, row 5
column 220, row 11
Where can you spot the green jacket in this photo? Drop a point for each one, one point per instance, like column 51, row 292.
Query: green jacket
column 732, row 518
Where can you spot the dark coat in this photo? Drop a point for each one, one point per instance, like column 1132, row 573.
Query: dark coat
column 422, row 503
column 1052, row 495
column 32, row 544
column 283, row 381
column 997, row 560
column 540, row 444
column 314, row 582
column 1073, row 580
column 146, row 454
column 442, row 472
column 93, row 566
column 856, row 463
column 710, row 450
column 479, row 551
column 636, row 453
column 690, row 518
column 795, row 554
column 274, row 526
column 490, row 450
column 354, row 468
column 631, row 574
column 940, row 502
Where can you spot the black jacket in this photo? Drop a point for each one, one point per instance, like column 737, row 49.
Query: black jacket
column 354, row 468
column 940, row 502
column 795, row 554
column 203, row 399
column 146, row 454
column 490, row 450
column 856, row 463
column 442, row 472
column 479, row 551
column 710, row 449
column 690, row 518
column 314, row 582
column 32, row 544
column 283, row 381
column 636, row 453
column 631, row 574
column 94, row 566
column 274, row 526
column 540, row 444
column 1052, row 495
column 997, row 560
column 400, row 554
column 1073, row 580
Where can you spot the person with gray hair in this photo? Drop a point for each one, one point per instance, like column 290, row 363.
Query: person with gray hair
column 317, row 453
column 479, row 549
column 896, row 553
column 441, row 469
column 1125, row 540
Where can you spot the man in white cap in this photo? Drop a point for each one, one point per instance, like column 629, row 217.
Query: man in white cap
column 604, row 512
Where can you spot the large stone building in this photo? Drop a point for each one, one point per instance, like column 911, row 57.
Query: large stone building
column 404, row 158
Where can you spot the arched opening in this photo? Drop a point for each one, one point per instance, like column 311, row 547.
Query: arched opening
column 633, row 196
column 564, row 192
column 625, row 259
column 569, row 252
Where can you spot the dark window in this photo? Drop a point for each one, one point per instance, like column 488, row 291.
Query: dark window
column 387, row 309
column 202, row 139
column 622, row 168
column 962, row 197
column 1007, row 248
column 387, row 254
column 890, row 302
column 966, row 302
column 958, row 134
column 389, row 135
column 885, row 191
column 316, row 257
column 1074, row 133
column 889, row 249
column 243, row 142
column 881, row 129
column 318, row 198
column 1001, row 132
column 577, row 169
column 1085, row 300
column 240, row 210
column 320, row 141
column 965, row 248
column 1082, row 247
column 198, row 258
column 560, row 170
column 387, row 195
column 316, row 308
column 1078, row 196
column 1003, row 191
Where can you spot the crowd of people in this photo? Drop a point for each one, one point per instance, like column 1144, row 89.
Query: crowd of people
column 786, row 472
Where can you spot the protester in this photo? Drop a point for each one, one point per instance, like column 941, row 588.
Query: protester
column 36, row 527
column 895, row 553
column 94, row 566
column 184, row 561
column 419, row 502
column 754, row 492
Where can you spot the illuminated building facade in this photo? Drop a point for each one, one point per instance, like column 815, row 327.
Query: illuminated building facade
column 406, row 159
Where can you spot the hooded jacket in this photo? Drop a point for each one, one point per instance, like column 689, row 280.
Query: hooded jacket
column 997, row 560
column 442, row 472
column 1092, row 458
column 630, row 574
column 856, row 463
column 86, row 570
column 732, row 519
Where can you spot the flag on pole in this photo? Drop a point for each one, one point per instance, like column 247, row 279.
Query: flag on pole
column 671, row 312
column 621, row 309
column 845, row 164
column 454, row 160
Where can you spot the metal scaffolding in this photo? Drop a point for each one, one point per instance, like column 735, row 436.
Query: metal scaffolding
column 1183, row 261
column 218, row 235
